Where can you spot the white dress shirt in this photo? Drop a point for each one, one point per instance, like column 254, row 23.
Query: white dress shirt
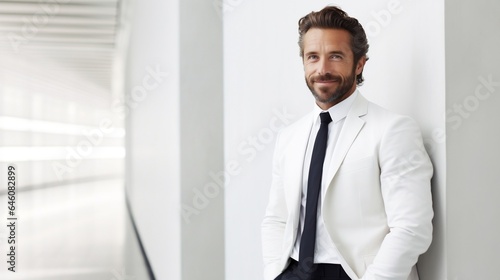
column 325, row 251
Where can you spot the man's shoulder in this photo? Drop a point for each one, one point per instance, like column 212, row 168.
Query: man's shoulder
column 378, row 113
column 299, row 125
column 383, row 121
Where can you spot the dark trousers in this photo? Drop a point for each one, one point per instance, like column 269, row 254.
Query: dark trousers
column 321, row 271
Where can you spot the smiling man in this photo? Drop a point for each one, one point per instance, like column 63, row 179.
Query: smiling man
column 330, row 66
column 350, row 197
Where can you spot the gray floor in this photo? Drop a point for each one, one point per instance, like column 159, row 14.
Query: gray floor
column 73, row 232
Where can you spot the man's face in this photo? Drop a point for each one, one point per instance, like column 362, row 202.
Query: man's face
column 329, row 66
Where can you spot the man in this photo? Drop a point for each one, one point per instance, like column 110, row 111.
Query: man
column 350, row 197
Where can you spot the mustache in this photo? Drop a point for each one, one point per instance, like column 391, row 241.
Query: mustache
column 327, row 78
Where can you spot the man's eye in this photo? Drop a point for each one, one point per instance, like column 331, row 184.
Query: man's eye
column 336, row 57
column 312, row 56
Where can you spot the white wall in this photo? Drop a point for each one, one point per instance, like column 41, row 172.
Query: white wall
column 472, row 103
column 175, row 142
column 264, row 89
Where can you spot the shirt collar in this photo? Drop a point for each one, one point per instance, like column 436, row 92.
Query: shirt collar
column 337, row 112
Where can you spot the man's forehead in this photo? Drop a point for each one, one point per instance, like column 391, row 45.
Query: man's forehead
column 330, row 34
column 327, row 38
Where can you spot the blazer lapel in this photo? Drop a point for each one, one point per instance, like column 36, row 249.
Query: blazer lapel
column 352, row 126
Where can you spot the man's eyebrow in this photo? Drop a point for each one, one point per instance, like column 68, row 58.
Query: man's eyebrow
column 337, row 52
column 312, row 51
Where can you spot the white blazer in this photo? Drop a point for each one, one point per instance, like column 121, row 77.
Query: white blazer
column 378, row 206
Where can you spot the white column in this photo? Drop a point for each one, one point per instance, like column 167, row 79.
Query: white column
column 472, row 103
column 174, row 113
column 201, row 140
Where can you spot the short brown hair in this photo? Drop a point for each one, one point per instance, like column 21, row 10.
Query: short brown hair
column 332, row 17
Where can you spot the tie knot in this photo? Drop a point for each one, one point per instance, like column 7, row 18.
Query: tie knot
column 325, row 117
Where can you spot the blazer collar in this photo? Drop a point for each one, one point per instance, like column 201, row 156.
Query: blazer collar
column 337, row 112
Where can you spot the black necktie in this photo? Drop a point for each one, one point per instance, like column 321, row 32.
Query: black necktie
column 308, row 239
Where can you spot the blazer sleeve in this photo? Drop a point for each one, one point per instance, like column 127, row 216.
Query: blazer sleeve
column 405, row 174
column 273, row 225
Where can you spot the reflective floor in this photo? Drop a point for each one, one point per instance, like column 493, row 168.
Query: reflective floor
column 73, row 232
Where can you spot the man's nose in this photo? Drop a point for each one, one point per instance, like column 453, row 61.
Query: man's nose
column 323, row 66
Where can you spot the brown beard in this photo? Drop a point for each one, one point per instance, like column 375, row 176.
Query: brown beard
column 344, row 87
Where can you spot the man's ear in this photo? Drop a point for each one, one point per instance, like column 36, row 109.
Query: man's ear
column 360, row 65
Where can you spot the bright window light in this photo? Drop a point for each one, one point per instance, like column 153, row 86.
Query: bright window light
column 29, row 125
column 18, row 154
